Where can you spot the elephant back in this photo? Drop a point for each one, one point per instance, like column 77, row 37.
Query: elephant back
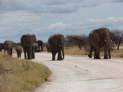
column 18, row 47
column 8, row 44
column 99, row 37
column 40, row 42
column 27, row 40
column 56, row 42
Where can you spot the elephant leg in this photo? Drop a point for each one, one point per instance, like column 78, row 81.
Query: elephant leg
column 59, row 55
column 11, row 52
column 41, row 48
column 53, row 55
column 17, row 54
column 20, row 54
column 62, row 53
column 97, row 53
column 33, row 53
column 90, row 52
column 25, row 53
column 109, row 53
column 105, row 53
column 29, row 54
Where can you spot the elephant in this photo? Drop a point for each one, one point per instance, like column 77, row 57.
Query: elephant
column 27, row 42
column 56, row 45
column 36, row 47
column 8, row 46
column 47, row 47
column 1, row 46
column 18, row 48
column 100, row 38
column 40, row 44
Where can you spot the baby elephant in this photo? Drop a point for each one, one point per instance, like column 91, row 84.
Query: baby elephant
column 18, row 49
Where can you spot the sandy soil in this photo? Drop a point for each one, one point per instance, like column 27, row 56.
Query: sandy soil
column 81, row 74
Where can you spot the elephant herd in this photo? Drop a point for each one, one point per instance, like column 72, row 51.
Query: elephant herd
column 55, row 45
column 29, row 45
column 98, row 39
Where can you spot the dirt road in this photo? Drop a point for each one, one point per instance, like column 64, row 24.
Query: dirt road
column 81, row 74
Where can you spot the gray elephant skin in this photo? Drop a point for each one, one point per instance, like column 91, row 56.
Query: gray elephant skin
column 1, row 46
column 56, row 45
column 40, row 44
column 8, row 46
column 18, row 48
column 100, row 38
column 27, row 42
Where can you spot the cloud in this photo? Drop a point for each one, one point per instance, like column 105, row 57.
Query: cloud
column 14, row 23
column 18, row 18
column 46, row 6
column 105, row 20
column 117, row 1
column 49, row 6
column 59, row 25
column 47, row 17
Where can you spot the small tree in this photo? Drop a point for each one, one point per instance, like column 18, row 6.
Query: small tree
column 117, row 37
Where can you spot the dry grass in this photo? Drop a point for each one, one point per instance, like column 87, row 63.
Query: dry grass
column 117, row 53
column 21, row 75
column 76, row 51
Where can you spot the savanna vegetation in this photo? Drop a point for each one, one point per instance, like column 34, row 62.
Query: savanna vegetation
column 78, row 44
column 20, row 75
column 74, row 50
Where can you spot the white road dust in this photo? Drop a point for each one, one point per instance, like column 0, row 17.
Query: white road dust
column 81, row 74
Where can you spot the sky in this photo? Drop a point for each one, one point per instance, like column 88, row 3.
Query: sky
column 47, row 17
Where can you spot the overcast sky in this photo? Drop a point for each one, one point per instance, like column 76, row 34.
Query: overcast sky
column 47, row 17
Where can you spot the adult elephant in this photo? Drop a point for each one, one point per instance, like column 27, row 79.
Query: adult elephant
column 56, row 45
column 100, row 38
column 27, row 42
column 8, row 46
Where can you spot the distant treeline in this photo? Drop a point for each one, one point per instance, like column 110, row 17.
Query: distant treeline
column 82, row 40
